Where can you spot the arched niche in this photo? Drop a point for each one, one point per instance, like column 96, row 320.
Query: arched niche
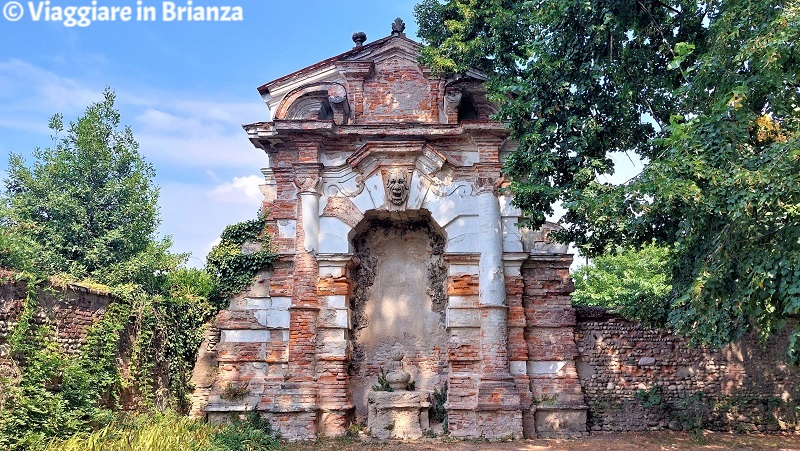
column 465, row 100
column 316, row 101
column 399, row 300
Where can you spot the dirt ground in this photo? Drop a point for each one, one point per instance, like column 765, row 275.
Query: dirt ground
column 638, row 441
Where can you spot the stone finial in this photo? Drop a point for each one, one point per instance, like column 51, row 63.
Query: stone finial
column 398, row 378
column 398, row 27
column 359, row 37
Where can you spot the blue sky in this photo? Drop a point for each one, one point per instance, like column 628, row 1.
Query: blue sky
column 185, row 89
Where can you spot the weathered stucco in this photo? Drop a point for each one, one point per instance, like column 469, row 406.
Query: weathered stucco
column 399, row 272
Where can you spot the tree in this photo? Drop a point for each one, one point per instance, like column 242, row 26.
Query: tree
column 88, row 201
column 705, row 92
column 631, row 281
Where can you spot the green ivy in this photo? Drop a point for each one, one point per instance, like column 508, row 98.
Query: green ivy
column 244, row 249
column 156, row 328
column 58, row 395
column 55, row 395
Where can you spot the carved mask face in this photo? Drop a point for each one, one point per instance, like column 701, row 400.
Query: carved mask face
column 397, row 186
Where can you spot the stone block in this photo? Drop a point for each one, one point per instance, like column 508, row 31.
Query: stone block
column 331, row 334
column 418, row 189
column 336, row 301
column 545, row 367
column 333, row 236
column 278, row 318
column 512, row 241
column 245, row 336
column 332, row 349
column 287, row 228
column 363, row 201
column 463, row 317
column 261, row 316
column 260, row 286
column 455, row 269
column 396, row 414
column 252, row 303
column 560, row 422
column 517, row 368
column 334, row 318
column 462, row 234
column 279, row 302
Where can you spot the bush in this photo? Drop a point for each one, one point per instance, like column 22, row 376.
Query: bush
column 150, row 431
column 252, row 434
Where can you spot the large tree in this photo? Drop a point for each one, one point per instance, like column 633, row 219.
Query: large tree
column 88, row 202
column 706, row 93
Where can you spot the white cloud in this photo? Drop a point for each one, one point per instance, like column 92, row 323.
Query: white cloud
column 159, row 120
column 196, row 134
column 175, row 131
column 172, row 128
column 28, row 88
column 240, row 190
column 200, row 148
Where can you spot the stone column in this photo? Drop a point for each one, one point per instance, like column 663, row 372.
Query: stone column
column 297, row 398
column 492, row 279
column 498, row 410
column 492, row 288
column 309, row 204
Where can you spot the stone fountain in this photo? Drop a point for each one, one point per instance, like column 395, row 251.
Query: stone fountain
column 401, row 413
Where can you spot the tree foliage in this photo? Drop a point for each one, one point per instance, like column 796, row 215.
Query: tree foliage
column 87, row 208
column 634, row 282
column 88, row 201
column 705, row 92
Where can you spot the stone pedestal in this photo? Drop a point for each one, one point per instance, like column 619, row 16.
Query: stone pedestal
column 400, row 414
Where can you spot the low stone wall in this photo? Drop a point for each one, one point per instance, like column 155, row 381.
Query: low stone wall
column 636, row 378
column 68, row 311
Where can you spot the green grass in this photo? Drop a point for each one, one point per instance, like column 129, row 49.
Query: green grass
column 168, row 431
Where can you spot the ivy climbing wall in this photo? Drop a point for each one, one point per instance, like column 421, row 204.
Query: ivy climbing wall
column 68, row 311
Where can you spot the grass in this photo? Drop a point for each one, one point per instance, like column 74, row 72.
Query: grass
column 168, row 431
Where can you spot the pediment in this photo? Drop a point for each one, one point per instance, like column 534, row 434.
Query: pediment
column 396, row 47
column 370, row 157
column 378, row 82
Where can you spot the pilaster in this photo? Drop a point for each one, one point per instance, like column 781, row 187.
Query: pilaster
column 333, row 343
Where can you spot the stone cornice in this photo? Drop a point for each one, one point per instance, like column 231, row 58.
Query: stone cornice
column 266, row 135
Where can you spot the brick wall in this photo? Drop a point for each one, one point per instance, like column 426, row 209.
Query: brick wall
column 69, row 312
column 637, row 378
